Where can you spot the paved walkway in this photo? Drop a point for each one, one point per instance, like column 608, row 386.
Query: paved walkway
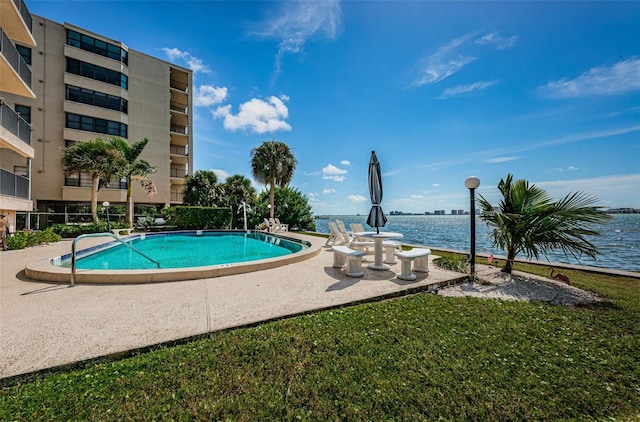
column 43, row 325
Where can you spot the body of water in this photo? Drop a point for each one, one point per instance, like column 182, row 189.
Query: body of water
column 618, row 247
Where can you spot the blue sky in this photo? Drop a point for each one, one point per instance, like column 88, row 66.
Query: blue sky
column 547, row 91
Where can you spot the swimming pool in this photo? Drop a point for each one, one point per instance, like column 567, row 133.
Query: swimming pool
column 181, row 255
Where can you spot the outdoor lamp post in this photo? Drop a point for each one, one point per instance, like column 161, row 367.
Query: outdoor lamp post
column 105, row 204
column 472, row 183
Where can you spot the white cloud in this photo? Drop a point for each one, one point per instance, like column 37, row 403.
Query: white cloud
column 621, row 78
column 619, row 190
column 299, row 21
column 466, row 89
column 501, row 159
column 328, row 191
column 334, row 173
column 494, row 40
column 417, row 196
column 209, row 95
column 222, row 175
column 345, row 162
column 313, row 197
column 357, row 198
column 435, row 185
column 192, row 62
column 256, row 115
column 443, row 63
column 449, row 58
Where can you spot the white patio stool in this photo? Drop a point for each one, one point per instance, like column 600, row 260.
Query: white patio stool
column 420, row 259
column 390, row 248
column 344, row 255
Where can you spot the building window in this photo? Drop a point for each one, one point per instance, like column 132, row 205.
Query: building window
column 24, row 112
column 88, row 96
column 94, row 124
column 88, row 43
column 98, row 73
column 25, row 52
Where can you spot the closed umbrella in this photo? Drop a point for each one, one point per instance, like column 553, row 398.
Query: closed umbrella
column 376, row 218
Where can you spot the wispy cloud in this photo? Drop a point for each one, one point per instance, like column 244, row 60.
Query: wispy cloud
column 256, row 115
column 621, row 78
column 449, row 58
column 192, row 62
column 357, row 198
column 466, row 89
column 221, row 174
column 493, row 39
column 328, row 191
column 345, row 162
column 446, row 61
column 209, row 95
column 331, row 172
column 496, row 160
column 297, row 22
column 622, row 190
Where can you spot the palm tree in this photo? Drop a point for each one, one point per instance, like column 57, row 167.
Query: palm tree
column 238, row 189
column 98, row 158
column 273, row 164
column 527, row 220
column 202, row 189
column 135, row 169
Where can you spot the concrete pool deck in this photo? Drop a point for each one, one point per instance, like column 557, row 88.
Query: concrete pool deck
column 45, row 325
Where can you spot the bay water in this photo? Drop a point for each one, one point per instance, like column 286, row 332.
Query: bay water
column 618, row 245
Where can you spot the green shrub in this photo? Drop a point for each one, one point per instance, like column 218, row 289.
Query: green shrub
column 24, row 239
column 457, row 263
column 75, row 230
column 196, row 218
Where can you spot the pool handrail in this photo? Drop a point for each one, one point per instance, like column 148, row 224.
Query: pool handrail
column 83, row 236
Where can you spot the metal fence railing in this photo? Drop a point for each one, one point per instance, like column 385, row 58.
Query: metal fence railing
column 12, row 184
column 14, row 58
column 14, row 123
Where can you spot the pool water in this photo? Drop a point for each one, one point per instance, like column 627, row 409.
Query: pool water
column 186, row 249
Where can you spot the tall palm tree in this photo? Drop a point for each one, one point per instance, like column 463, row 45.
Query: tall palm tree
column 202, row 189
column 98, row 158
column 135, row 169
column 273, row 164
column 528, row 221
column 238, row 189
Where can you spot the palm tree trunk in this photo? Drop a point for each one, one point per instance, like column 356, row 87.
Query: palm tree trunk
column 95, row 182
column 128, row 214
column 508, row 266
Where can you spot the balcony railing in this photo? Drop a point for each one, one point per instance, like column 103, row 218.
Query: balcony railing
column 14, row 123
column 24, row 12
column 179, row 129
column 177, row 173
column 176, row 84
column 14, row 58
column 179, row 150
column 176, row 196
column 13, row 185
column 174, row 105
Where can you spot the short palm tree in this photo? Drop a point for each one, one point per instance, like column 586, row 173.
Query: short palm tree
column 273, row 164
column 238, row 189
column 98, row 158
column 202, row 189
column 528, row 221
column 135, row 169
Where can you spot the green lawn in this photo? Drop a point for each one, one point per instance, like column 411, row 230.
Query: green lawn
column 422, row 357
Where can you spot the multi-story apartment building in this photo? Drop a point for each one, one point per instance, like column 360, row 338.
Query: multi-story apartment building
column 88, row 86
column 16, row 152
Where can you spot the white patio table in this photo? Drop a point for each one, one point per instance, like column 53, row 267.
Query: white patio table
column 378, row 238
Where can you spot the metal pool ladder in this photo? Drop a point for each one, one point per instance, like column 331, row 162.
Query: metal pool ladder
column 83, row 236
